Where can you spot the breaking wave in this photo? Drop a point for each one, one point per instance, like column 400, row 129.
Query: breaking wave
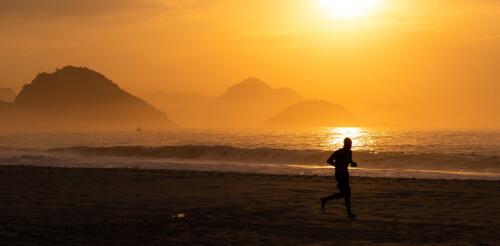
column 399, row 160
column 258, row 160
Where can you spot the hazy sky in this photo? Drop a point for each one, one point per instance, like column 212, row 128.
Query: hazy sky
column 438, row 58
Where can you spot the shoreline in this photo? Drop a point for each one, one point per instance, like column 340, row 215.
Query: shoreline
column 263, row 168
column 252, row 173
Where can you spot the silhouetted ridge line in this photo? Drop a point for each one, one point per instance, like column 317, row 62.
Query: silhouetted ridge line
column 249, row 103
column 313, row 114
column 81, row 98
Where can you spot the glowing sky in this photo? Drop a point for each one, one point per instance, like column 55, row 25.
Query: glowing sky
column 439, row 58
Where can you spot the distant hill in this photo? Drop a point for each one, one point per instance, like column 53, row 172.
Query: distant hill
column 249, row 103
column 7, row 95
column 80, row 98
column 183, row 108
column 313, row 114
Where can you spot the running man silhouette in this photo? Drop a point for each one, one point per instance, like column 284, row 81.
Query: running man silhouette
column 341, row 159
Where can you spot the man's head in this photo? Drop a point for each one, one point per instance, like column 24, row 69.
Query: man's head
column 347, row 143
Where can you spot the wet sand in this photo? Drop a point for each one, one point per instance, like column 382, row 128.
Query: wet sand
column 64, row 206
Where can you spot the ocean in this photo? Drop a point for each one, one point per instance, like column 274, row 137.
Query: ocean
column 379, row 152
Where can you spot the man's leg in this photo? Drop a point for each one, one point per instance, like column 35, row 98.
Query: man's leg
column 340, row 182
column 324, row 200
column 348, row 202
column 333, row 196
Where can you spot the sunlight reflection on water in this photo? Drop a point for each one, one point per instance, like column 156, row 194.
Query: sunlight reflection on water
column 327, row 139
column 361, row 137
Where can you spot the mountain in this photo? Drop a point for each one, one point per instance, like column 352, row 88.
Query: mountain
column 183, row 108
column 249, row 103
column 7, row 95
column 313, row 114
column 80, row 98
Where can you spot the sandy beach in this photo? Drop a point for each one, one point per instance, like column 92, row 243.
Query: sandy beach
column 69, row 206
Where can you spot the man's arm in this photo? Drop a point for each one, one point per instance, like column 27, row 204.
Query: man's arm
column 353, row 163
column 331, row 160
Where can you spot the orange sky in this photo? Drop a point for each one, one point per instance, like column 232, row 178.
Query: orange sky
column 438, row 58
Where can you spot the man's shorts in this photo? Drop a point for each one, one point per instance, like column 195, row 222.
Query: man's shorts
column 343, row 182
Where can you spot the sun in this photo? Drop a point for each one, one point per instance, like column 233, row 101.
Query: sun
column 349, row 9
